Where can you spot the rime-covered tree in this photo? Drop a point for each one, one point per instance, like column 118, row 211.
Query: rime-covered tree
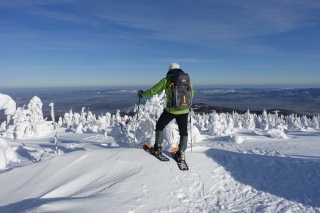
column 264, row 125
column 215, row 128
column 28, row 121
column 248, row 121
column 315, row 122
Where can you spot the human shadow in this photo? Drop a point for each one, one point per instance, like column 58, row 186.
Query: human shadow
column 295, row 179
column 28, row 204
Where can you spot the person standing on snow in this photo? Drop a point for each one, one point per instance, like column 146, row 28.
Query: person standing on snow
column 170, row 113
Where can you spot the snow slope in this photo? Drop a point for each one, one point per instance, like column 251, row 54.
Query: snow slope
column 261, row 174
column 238, row 163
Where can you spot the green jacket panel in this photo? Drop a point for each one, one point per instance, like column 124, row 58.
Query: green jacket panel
column 164, row 84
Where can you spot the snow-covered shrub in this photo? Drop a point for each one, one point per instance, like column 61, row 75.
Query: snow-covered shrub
column 28, row 122
column 305, row 122
column 171, row 135
column 315, row 122
column 215, row 127
column 108, row 119
column 6, row 154
column 145, row 131
column 248, row 121
column 294, row 122
column 67, row 119
column 142, row 127
column 202, row 122
column 79, row 129
column 3, row 126
column 83, row 118
column 237, row 119
column 21, row 129
column 221, row 124
column 118, row 117
column 277, row 133
column 194, row 135
column 229, row 128
column 264, row 124
column 237, row 139
column 60, row 122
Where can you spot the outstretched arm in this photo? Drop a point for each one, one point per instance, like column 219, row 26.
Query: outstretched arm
column 160, row 86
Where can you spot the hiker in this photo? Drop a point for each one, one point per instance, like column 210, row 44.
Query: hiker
column 121, row 126
column 176, row 108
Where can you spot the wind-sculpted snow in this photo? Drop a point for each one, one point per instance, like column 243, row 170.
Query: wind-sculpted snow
column 7, row 104
column 63, row 178
column 129, row 180
column 6, row 154
column 295, row 180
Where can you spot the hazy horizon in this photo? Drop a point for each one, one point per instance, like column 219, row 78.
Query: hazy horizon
column 100, row 100
column 234, row 86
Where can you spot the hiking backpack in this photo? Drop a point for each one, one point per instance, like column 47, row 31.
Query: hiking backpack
column 181, row 90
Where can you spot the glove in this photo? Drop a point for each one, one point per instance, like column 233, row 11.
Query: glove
column 140, row 93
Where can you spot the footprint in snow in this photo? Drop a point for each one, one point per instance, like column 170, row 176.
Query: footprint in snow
column 197, row 189
column 144, row 189
column 182, row 197
column 195, row 176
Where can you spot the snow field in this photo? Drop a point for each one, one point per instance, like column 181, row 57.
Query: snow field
column 237, row 164
column 125, row 179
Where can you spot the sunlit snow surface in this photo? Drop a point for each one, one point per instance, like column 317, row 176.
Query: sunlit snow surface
column 104, row 169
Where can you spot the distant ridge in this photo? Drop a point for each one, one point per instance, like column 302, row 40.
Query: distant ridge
column 205, row 108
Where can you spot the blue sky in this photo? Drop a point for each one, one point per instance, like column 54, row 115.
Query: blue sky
column 113, row 43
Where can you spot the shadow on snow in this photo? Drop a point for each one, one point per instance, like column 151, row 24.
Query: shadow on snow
column 29, row 204
column 293, row 179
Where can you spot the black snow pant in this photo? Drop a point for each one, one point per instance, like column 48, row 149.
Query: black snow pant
column 182, row 121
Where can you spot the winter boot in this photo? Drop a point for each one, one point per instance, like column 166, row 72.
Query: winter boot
column 157, row 149
column 180, row 156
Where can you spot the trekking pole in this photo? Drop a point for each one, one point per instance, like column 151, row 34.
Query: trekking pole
column 138, row 109
column 135, row 131
column 191, row 128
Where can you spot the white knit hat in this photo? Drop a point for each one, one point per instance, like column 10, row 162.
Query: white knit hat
column 174, row 66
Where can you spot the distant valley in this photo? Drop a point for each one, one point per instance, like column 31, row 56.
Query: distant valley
column 288, row 101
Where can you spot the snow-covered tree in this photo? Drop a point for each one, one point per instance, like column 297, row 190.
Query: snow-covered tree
column 28, row 122
column 315, row 122
column 229, row 129
column 215, row 128
column 305, row 122
column 248, row 121
column 264, row 124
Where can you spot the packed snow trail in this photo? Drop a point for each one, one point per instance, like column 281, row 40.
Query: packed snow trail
column 129, row 180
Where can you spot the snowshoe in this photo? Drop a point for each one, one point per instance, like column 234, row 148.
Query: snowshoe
column 179, row 157
column 155, row 152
